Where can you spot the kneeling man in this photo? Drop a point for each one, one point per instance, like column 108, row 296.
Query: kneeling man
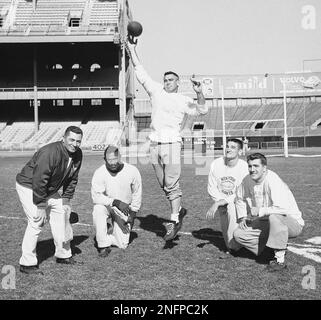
column 116, row 191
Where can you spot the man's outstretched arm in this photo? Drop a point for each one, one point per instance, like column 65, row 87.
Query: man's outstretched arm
column 131, row 50
column 142, row 76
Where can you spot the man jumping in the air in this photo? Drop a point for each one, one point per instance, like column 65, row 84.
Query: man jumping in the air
column 168, row 110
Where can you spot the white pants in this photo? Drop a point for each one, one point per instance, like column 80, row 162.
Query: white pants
column 117, row 237
column 272, row 231
column 229, row 225
column 59, row 223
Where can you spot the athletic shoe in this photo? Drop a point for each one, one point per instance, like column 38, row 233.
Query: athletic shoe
column 73, row 218
column 30, row 269
column 104, row 252
column 172, row 229
column 70, row 260
column 275, row 266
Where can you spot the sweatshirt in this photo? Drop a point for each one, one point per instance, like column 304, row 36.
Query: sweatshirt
column 168, row 109
column 125, row 186
column 271, row 196
column 223, row 180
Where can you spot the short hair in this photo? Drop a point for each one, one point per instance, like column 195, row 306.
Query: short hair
column 111, row 149
column 73, row 129
column 257, row 155
column 237, row 141
column 171, row 72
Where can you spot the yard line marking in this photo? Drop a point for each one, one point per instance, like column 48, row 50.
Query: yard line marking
column 13, row 218
column 135, row 229
column 308, row 251
column 305, row 245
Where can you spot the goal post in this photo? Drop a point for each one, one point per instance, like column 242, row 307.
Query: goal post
column 284, row 120
column 278, row 144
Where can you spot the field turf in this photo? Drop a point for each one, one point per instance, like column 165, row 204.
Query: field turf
column 188, row 268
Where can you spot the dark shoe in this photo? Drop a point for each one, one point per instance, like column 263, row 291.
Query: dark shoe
column 181, row 215
column 73, row 218
column 104, row 252
column 30, row 269
column 70, row 260
column 172, row 229
column 275, row 266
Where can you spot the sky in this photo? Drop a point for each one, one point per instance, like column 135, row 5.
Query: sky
column 216, row 37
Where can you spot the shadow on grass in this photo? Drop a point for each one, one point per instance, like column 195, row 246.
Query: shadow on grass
column 153, row 224
column 171, row 243
column 46, row 248
column 265, row 257
column 211, row 236
column 215, row 238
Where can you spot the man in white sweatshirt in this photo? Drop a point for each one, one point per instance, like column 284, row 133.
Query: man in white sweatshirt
column 267, row 211
column 116, row 190
column 226, row 174
column 168, row 110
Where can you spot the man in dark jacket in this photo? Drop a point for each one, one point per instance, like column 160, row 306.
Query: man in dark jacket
column 45, row 187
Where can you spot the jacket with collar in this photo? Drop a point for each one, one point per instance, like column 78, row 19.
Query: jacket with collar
column 46, row 172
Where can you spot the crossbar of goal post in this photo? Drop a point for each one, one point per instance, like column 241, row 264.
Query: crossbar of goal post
column 286, row 150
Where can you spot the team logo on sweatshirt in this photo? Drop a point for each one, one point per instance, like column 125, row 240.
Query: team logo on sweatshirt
column 228, row 185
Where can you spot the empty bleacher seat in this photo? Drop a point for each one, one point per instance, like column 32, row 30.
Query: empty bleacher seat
column 96, row 132
column 48, row 12
column 18, row 132
column 104, row 13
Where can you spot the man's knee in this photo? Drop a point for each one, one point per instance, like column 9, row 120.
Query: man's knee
column 276, row 224
column 173, row 194
column 239, row 235
column 36, row 226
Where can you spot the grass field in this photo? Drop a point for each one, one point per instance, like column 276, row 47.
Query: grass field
column 189, row 268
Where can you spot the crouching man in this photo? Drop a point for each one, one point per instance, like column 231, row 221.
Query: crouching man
column 45, row 186
column 267, row 211
column 116, row 191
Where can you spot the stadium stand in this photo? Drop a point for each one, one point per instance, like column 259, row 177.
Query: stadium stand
column 74, row 92
column 4, row 4
column 96, row 132
column 2, row 125
column 48, row 12
column 213, row 119
column 18, row 132
column 47, row 131
column 103, row 13
column 59, row 17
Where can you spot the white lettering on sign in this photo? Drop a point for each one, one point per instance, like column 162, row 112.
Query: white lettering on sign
column 251, row 83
